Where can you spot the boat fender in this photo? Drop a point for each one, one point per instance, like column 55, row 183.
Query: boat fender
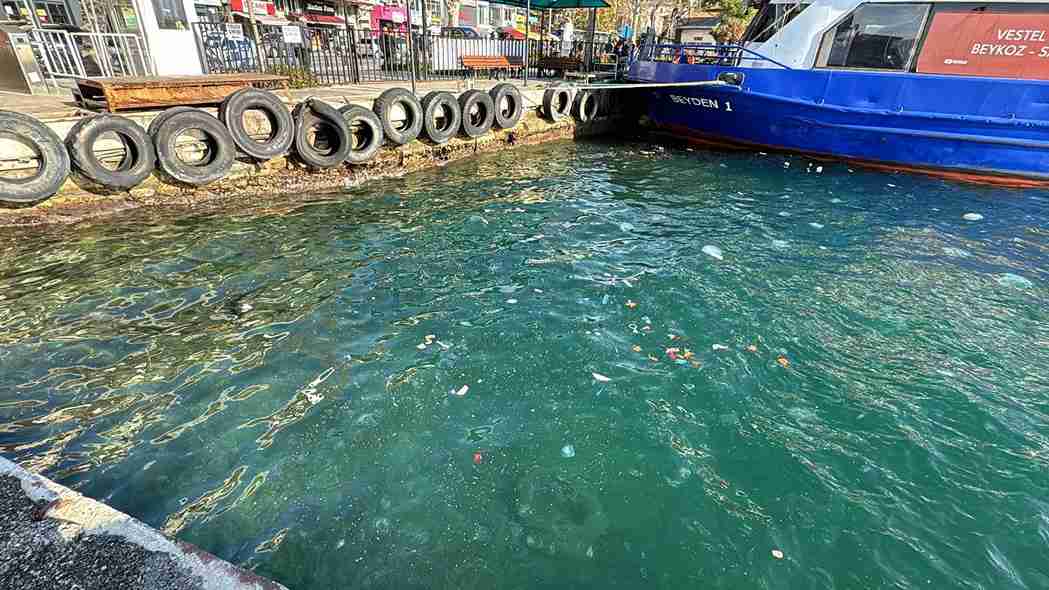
column 52, row 155
column 217, row 161
column 157, row 121
column 282, row 128
column 313, row 114
column 557, row 102
column 399, row 132
column 136, row 165
column 478, row 112
column 509, row 105
column 584, row 107
column 444, row 104
column 365, row 133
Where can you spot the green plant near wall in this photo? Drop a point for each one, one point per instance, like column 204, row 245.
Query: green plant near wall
column 297, row 77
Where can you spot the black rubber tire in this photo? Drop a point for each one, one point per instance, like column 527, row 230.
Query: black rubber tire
column 366, row 143
column 54, row 160
column 282, row 128
column 443, row 103
column 310, row 113
column 137, row 165
column 157, row 121
column 476, row 124
column 585, row 106
column 223, row 150
column 511, row 96
column 557, row 102
column 399, row 133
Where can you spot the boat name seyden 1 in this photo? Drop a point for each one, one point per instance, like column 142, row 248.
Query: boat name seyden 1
column 1011, row 49
column 702, row 101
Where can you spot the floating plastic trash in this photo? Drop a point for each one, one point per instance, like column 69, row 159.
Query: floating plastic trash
column 777, row 554
column 816, row 225
column 511, row 301
column 601, row 378
column 1010, row 280
column 836, row 200
column 717, row 347
column 782, row 360
column 752, row 348
column 972, row 217
column 631, row 304
column 461, row 391
column 713, row 252
column 568, row 451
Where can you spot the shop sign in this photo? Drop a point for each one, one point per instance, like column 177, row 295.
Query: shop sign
column 291, row 34
column 320, row 8
column 235, row 31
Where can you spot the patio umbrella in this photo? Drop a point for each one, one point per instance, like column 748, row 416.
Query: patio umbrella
column 512, row 33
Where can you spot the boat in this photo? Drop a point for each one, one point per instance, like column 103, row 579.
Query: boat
column 955, row 89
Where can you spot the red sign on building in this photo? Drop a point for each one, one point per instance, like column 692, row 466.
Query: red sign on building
column 998, row 45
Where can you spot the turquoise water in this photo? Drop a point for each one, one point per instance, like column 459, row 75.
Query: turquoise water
column 860, row 382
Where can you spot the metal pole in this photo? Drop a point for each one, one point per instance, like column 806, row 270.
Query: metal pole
column 255, row 34
column 528, row 16
column 411, row 46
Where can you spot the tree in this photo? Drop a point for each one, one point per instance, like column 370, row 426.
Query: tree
column 735, row 14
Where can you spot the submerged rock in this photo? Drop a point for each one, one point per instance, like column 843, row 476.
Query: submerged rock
column 561, row 514
column 1010, row 280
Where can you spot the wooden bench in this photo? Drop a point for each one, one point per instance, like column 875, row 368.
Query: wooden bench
column 559, row 64
column 493, row 64
column 149, row 92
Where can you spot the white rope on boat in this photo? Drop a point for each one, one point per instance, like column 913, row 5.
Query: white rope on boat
column 642, row 85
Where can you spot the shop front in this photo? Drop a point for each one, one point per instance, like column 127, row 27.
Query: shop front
column 168, row 28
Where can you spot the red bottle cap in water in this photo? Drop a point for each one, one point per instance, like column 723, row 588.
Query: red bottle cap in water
column 478, row 457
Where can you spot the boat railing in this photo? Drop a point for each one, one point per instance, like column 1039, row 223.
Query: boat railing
column 704, row 54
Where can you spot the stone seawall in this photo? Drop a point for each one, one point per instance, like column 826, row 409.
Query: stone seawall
column 290, row 180
column 53, row 538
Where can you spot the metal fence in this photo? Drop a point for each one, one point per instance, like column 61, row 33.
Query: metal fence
column 331, row 56
column 89, row 55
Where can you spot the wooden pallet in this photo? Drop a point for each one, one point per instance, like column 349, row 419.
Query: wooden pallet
column 147, row 92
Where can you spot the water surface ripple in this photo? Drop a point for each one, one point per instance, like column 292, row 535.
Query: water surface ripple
column 676, row 363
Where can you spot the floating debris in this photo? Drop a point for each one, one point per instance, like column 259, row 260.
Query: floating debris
column 713, row 252
column 836, row 201
column 600, row 378
column 972, row 217
column 717, row 347
column 631, row 304
column 816, row 225
column 568, row 451
column 752, row 348
column 777, row 554
column 511, row 301
column 635, row 348
column 783, row 362
column 461, row 391
column 672, row 353
column 478, row 458
column 420, row 346
column 819, row 169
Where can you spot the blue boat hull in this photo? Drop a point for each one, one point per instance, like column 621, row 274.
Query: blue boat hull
column 980, row 129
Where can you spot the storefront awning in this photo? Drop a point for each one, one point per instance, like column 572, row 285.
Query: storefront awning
column 323, row 19
column 215, row 3
column 553, row 4
column 265, row 19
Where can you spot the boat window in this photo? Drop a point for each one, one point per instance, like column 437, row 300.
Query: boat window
column 993, row 40
column 874, row 36
column 770, row 19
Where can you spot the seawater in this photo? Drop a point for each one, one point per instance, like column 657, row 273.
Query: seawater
column 580, row 365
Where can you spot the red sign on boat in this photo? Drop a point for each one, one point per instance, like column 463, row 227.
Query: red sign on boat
column 999, row 45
